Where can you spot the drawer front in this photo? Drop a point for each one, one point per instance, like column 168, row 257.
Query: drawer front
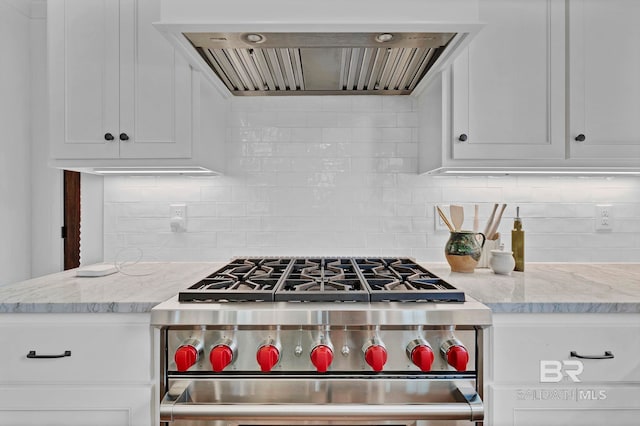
column 584, row 405
column 542, row 353
column 76, row 405
column 99, row 352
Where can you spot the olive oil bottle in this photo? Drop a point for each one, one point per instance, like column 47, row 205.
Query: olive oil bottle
column 517, row 242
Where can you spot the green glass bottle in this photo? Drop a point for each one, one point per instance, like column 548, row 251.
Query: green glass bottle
column 517, row 242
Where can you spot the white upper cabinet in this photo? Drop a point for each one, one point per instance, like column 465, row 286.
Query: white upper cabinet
column 604, row 75
column 508, row 97
column 118, row 88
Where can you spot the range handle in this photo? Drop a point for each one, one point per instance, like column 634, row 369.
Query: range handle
column 452, row 411
column 466, row 404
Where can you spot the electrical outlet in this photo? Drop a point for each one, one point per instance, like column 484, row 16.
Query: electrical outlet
column 604, row 217
column 439, row 224
column 178, row 217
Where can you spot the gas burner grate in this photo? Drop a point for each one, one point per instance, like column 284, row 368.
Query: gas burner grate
column 242, row 280
column 403, row 280
column 322, row 280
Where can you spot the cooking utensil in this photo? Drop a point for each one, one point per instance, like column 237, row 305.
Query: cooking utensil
column 457, row 216
column 476, row 219
column 487, row 228
column 494, row 226
column 444, row 219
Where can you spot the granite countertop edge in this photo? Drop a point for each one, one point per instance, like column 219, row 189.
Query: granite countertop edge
column 537, row 291
column 564, row 308
column 77, row 308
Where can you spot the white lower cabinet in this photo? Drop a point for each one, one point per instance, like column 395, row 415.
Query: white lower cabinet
column 55, row 405
column 563, row 369
column 584, row 405
column 76, row 369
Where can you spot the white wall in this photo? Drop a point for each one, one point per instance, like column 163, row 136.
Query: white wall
column 46, row 182
column 15, row 177
column 337, row 176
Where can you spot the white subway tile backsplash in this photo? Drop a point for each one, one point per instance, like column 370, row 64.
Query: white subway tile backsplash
column 215, row 193
column 208, row 224
column 396, row 225
column 338, row 176
column 366, row 104
column 231, row 239
column 398, row 104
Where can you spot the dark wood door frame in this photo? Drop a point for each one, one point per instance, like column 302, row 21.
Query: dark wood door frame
column 71, row 226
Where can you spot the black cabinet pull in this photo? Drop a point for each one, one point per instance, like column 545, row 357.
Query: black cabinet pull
column 580, row 138
column 607, row 355
column 33, row 355
column 124, row 137
column 462, row 137
column 108, row 137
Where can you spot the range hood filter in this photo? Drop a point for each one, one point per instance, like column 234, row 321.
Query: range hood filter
column 252, row 64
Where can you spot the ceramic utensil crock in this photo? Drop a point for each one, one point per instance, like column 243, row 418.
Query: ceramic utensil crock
column 463, row 250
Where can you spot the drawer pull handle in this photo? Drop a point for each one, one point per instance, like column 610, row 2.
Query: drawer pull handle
column 607, row 355
column 32, row 354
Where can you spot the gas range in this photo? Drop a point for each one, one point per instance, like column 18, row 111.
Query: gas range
column 311, row 333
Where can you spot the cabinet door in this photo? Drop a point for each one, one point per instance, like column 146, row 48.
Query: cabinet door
column 155, row 87
column 604, row 86
column 76, row 406
column 535, row 405
column 84, row 72
column 508, row 87
column 123, row 79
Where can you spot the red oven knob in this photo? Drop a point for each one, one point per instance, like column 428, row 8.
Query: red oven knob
column 456, row 354
column 322, row 357
column 267, row 357
column 220, row 356
column 422, row 356
column 185, row 357
column 376, row 357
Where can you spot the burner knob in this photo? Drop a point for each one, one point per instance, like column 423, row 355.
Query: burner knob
column 456, row 354
column 376, row 357
column 220, row 356
column 322, row 357
column 185, row 357
column 422, row 356
column 267, row 356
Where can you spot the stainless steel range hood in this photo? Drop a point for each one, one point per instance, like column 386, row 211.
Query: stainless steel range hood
column 332, row 47
column 320, row 63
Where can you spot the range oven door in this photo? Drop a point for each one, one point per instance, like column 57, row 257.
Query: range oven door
column 282, row 400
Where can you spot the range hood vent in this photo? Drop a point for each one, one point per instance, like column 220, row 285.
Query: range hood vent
column 257, row 64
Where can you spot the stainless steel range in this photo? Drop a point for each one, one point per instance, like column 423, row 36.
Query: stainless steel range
column 299, row 341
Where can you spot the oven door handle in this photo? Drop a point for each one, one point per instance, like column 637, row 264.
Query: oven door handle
column 469, row 408
column 443, row 411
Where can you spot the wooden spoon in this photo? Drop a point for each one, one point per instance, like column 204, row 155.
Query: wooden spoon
column 457, row 216
column 494, row 226
column 487, row 228
column 444, row 218
column 476, row 218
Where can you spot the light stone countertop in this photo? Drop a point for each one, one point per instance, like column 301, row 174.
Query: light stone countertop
column 137, row 289
column 552, row 287
column 543, row 287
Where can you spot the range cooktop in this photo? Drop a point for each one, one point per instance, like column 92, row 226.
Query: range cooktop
column 322, row 279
